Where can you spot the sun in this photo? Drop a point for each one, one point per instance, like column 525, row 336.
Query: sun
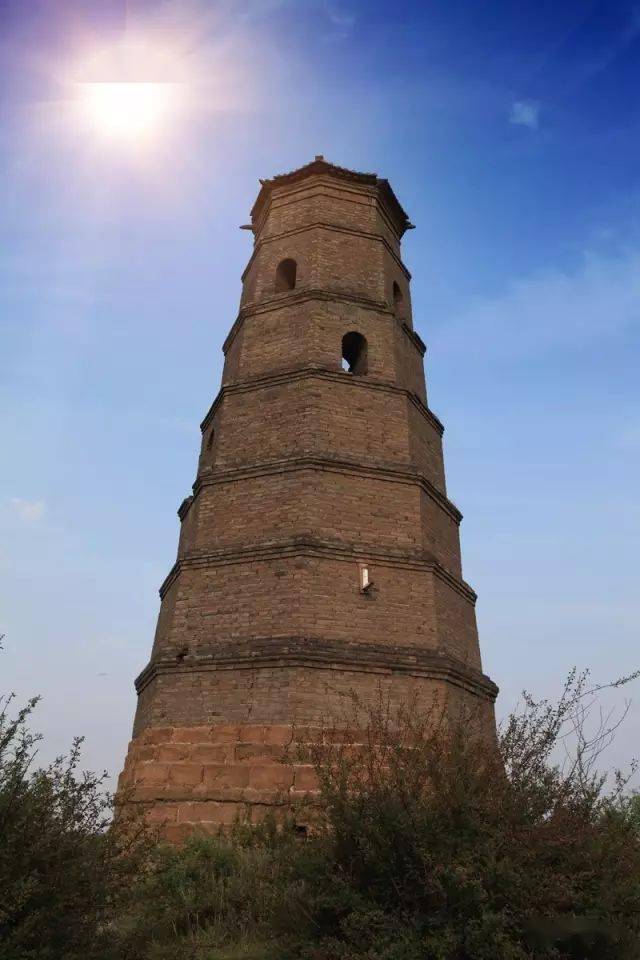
column 133, row 112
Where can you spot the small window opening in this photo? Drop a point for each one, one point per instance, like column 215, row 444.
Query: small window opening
column 301, row 830
column 354, row 353
column 286, row 275
column 210, row 438
column 398, row 301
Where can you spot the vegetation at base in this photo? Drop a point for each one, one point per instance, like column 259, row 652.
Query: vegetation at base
column 430, row 842
column 62, row 871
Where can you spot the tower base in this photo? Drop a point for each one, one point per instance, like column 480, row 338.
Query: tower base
column 207, row 777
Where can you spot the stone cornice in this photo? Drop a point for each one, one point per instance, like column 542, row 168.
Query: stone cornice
column 329, row 464
column 309, row 546
column 293, row 298
column 335, row 228
column 325, row 654
column 322, row 373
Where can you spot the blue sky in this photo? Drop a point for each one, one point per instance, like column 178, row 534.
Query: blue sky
column 511, row 134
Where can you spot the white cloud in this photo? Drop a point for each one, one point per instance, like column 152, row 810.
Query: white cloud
column 29, row 510
column 552, row 309
column 525, row 113
column 340, row 17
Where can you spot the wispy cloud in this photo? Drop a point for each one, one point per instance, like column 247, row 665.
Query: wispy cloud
column 552, row 309
column 342, row 20
column 525, row 113
column 29, row 510
column 612, row 51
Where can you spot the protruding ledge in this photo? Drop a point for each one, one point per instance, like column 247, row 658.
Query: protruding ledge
column 314, row 225
column 327, row 654
column 415, row 339
column 333, row 464
column 306, row 546
column 184, row 507
column 322, row 373
column 296, row 297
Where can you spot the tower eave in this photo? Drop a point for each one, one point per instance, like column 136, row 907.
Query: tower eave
column 320, row 166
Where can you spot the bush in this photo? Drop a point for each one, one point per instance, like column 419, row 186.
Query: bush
column 220, row 897
column 63, row 869
column 430, row 840
column 452, row 847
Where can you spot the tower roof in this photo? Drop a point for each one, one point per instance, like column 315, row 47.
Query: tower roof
column 320, row 166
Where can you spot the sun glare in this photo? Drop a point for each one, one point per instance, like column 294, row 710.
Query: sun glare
column 132, row 112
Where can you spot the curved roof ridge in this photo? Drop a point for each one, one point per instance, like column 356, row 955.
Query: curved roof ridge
column 320, row 165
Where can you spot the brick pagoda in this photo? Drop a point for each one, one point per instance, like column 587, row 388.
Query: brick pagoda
column 319, row 553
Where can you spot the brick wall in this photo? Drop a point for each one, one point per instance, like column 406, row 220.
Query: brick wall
column 305, row 473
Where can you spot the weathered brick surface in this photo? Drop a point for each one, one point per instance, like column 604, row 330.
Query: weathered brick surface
column 396, row 511
column 334, row 260
column 244, row 786
column 279, row 693
column 308, row 333
column 305, row 595
column 291, row 501
column 337, row 417
column 305, row 473
column 425, row 446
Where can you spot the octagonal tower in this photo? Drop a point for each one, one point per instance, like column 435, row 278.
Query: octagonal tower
column 319, row 553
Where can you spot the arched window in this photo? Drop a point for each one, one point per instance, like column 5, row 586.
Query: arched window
column 398, row 301
column 354, row 353
column 286, row 275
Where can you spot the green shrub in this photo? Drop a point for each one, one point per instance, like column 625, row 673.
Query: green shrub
column 430, row 841
column 222, row 897
column 454, row 847
column 62, row 869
